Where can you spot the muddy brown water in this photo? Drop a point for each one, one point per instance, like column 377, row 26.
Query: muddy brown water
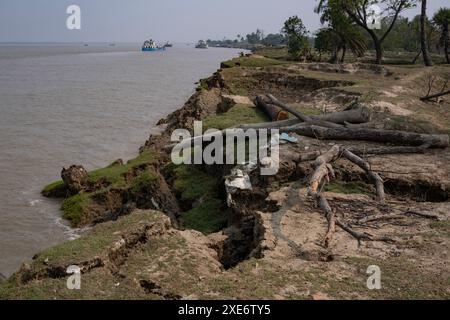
column 64, row 104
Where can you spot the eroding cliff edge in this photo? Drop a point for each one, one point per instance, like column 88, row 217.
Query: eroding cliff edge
column 160, row 231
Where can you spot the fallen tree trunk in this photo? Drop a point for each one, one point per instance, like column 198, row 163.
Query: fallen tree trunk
column 391, row 150
column 410, row 142
column 357, row 115
column 374, row 135
column 269, row 125
column 301, row 116
column 353, row 117
column 274, row 113
column 434, row 96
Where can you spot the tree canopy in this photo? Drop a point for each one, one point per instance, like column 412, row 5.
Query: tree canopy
column 297, row 36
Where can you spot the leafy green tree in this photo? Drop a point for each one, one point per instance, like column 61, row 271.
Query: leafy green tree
column 442, row 20
column 255, row 37
column 297, row 36
column 325, row 43
column 359, row 11
column 274, row 39
column 406, row 35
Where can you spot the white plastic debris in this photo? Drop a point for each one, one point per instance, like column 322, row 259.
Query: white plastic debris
column 238, row 180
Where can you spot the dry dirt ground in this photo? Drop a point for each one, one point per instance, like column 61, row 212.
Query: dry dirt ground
column 273, row 246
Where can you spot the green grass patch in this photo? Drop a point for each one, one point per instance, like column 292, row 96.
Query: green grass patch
column 143, row 182
column 251, row 62
column 201, row 190
column 239, row 114
column 274, row 53
column 95, row 243
column 113, row 174
column 53, row 188
column 441, row 226
column 207, row 217
column 415, row 124
column 400, row 279
column 74, row 207
column 194, row 184
column 353, row 187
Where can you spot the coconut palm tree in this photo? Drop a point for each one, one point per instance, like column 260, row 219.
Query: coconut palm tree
column 342, row 33
column 442, row 20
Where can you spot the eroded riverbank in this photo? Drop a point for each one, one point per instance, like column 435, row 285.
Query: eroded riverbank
column 172, row 235
column 63, row 104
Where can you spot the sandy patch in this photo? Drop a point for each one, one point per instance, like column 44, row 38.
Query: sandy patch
column 391, row 108
column 239, row 99
column 389, row 94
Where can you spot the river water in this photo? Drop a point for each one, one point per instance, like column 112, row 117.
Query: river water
column 76, row 104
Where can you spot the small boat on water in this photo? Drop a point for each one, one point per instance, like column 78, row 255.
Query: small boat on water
column 168, row 45
column 150, row 45
column 202, row 45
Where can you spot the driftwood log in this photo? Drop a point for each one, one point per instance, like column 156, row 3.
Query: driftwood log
column 271, row 110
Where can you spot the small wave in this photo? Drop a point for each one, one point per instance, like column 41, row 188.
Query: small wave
column 71, row 233
column 32, row 203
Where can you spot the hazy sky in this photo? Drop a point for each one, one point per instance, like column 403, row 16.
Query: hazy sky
column 135, row 20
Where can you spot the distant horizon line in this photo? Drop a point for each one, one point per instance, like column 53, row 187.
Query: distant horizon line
column 84, row 42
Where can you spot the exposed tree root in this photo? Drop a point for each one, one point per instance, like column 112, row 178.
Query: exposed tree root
column 362, row 236
column 423, row 215
column 322, row 168
column 366, row 167
column 331, row 218
column 323, row 171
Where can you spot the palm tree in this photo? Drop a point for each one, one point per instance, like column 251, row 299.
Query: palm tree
column 442, row 20
column 423, row 36
column 342, row 33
